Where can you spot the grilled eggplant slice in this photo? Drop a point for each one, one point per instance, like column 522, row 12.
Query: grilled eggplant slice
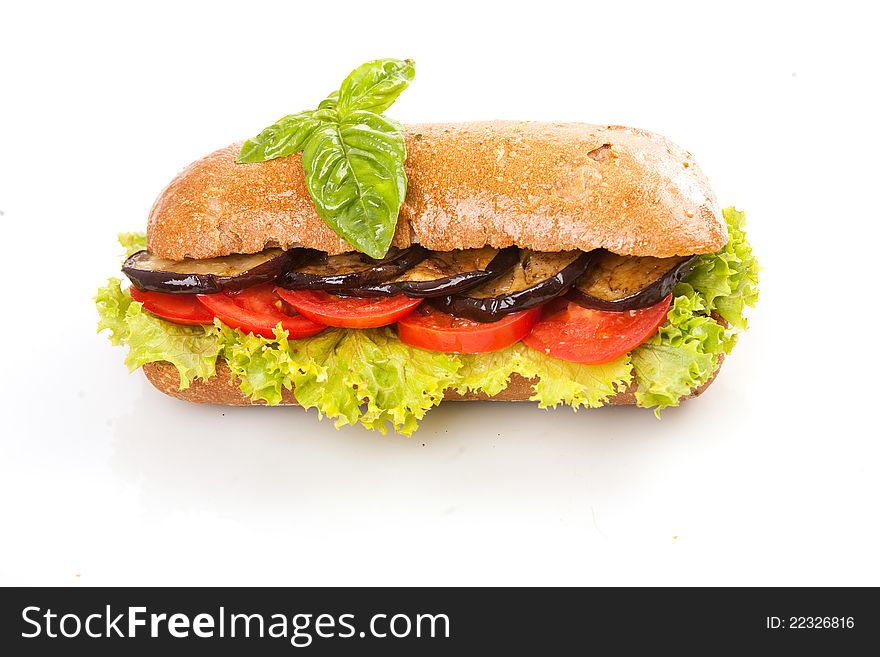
column 349, row 271
column 619, row 283
column 189, row 276
column 537, row 278
column 447, row 272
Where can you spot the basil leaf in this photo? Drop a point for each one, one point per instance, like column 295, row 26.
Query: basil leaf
column 375, row 86
column 352, row 156
column 284, row 137
column 329, row 102
column 354, row 173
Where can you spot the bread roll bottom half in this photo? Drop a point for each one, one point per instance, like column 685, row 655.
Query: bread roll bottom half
column 223, row 389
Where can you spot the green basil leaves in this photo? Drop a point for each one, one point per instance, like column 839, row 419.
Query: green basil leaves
column 284, row 137
column 354, row 172
column 352, row 155
column 375, row 85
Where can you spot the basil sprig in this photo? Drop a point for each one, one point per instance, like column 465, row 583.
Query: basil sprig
column 352, row 155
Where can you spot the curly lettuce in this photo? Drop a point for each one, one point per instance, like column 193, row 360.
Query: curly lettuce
column 726, row 281
column 559, row 381
column 682, row 356
column 365, row 376
column 684, row 353
column 113, row 303
column 262, row 366
column 192, row 350
column 369, row 377
column 132, row 242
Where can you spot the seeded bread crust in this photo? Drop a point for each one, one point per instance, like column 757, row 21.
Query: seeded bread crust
column 542, row 186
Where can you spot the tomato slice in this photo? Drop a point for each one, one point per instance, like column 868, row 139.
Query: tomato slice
column 348, row 312
column 257, row 310
column 177, row 308
column 433, row 329
column 581, row 335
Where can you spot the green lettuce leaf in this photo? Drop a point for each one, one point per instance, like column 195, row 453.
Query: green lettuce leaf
column 262, row 366
column 684, row 353
column 682, row 356
column 112, row 305
column 561, row 382
column 490, row 372
column 191, row 349
column 132, row 242
column 727, row 280
column 370, row 377
column 577, row 385
column 365, row 376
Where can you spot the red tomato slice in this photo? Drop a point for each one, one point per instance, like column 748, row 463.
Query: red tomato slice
column 178, row 308
column 257, row 310
column 348, row 312
column 581, row 335
column 433, row 329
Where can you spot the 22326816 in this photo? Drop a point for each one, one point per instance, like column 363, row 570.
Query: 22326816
column 810, row 623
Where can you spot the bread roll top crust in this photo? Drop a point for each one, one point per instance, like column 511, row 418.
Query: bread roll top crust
column 542, row 186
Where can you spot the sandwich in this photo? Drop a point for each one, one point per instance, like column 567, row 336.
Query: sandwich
column 343, row 262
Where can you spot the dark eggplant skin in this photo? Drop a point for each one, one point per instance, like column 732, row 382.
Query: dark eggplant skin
column 647, row 296
column 378, row 273
column 491, row 309
column 447, row 285
column 169, row 282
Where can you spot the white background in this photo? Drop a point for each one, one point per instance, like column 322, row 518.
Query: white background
column 770, row 478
